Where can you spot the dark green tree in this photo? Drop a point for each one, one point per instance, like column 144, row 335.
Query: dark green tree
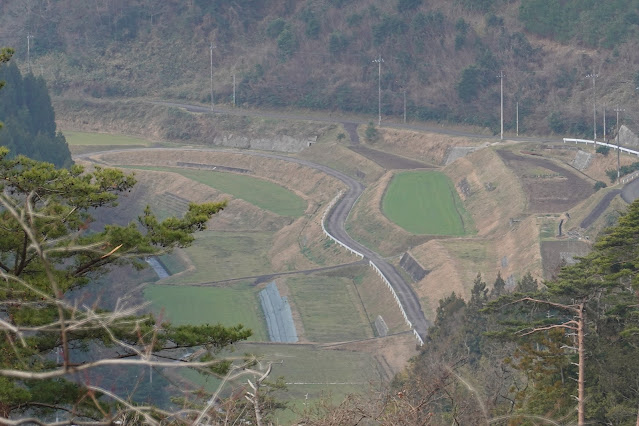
column 30, row 128
column 498, row 287
column 468, row 85
column 5, row 56
column 371, row 133
column 527, row 284
column 47, row 248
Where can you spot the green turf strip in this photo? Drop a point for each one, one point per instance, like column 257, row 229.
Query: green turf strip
column 86, row 138
column 209, row 305
column 425, row 203
column 261, row 193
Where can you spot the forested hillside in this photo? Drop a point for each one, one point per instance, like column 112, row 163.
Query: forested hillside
column 318, row 54
column 29, row 121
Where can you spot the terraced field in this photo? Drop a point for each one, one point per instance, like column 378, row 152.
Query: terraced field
column 426, row 203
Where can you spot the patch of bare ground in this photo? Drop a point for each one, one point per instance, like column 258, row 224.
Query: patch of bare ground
column 493, row 196
column 554, row 254
column 607, row 218
column 518, row 251
column 582, row 210
column 430, row 148
column 454, row 263
column 550, row 186
column 598, row 165
column 378, row 300
column 341, row 158
column 391, row 351
column 368, row 224
column 443, row 279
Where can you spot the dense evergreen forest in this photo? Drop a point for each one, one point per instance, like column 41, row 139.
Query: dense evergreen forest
column 29, row 121
column 318, row 54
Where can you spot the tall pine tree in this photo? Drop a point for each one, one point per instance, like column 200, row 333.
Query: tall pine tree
column 29, row 120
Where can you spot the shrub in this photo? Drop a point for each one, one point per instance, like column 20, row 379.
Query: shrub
column 337, row 42
column 286, row 43
column 599, row 184
column 407, row 5
column 556, row 122
column 275, row 27
column 371, row 132
column 604, row 150
column 467, row 87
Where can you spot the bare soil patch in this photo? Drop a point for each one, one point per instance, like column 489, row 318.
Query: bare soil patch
column 554, row 253
column 429, row 148
column 339, row 157
column 549, row 187
column 387, row 160
column 490, row 190
column 395, row 349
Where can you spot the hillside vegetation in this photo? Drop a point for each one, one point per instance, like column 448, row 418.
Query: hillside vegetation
column 318, row 54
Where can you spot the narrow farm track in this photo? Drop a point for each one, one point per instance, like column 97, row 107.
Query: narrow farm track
column 334, row 223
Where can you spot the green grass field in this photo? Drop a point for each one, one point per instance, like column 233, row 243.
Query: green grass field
column 426, row 203
column 86, row 138
column 232, row 305
column 261, row 193
column 329, row 307
column 221, row 256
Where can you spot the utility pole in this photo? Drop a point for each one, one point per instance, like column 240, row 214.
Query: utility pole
column 379, row 61
column 29, row 37
column 594, row 76
column 618, row 110
column 517, row 118
column 604, row 122
column 212, row 76
column 233, row 90
column 501, row 78
column 404, row 106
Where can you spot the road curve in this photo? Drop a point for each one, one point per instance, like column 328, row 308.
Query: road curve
column 334, row 224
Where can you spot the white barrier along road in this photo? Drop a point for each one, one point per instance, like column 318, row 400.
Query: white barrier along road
column 330, row 206
column 587, row 141
column 372, row 264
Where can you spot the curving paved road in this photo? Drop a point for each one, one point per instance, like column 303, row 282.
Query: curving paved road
column 334, row 224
